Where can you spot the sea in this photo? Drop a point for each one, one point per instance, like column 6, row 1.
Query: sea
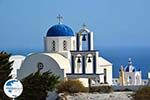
column 117, row 56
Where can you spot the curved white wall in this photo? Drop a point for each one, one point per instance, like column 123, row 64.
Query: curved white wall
column 30, row 65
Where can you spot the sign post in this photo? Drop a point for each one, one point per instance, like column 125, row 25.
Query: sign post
column 13, row 88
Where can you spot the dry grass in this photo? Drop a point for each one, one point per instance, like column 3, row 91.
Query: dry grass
column 71, row 86
column 142, row 94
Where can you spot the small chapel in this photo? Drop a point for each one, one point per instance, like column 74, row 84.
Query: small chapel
column 69, row 55
column 129, row 75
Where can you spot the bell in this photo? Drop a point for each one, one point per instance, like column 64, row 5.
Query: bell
column 84, row 37
column 78, row 61
column 89, row 60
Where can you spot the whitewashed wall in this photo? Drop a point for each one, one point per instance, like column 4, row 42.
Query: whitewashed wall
column 71, row 43
column 30, row 65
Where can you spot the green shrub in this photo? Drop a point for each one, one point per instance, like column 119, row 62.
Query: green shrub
column 37, row 85
column 101, row 89
column 142, row 94
column 71, row 86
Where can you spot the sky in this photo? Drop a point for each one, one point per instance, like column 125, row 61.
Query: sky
column 115, row 23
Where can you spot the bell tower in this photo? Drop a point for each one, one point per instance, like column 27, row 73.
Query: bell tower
column 84, row 61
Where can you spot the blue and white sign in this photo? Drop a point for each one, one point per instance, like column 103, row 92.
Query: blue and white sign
column 13, row 88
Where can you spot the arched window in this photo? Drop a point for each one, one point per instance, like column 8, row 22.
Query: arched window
column 53, row 45
column 64, row 45
column 129, row 80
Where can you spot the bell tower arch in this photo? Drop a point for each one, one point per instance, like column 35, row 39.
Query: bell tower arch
column 84, row 35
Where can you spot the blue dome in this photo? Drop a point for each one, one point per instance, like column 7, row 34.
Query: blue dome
column 130, row 68
column 60, row 30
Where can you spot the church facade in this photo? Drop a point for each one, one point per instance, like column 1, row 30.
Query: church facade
column 70, row 56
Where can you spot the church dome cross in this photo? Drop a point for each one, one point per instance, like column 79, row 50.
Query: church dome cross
column 60, row 18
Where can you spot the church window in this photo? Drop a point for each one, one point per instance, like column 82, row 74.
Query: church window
column 129, row 80
column 53, row 45
column 64, row 45
column 40, row 66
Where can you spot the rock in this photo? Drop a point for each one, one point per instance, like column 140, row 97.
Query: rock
column 61, row 96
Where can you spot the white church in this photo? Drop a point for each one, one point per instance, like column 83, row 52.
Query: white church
column 129, row 75
column 69, row 55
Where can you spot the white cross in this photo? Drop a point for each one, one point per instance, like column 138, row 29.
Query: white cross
column 59, row 18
